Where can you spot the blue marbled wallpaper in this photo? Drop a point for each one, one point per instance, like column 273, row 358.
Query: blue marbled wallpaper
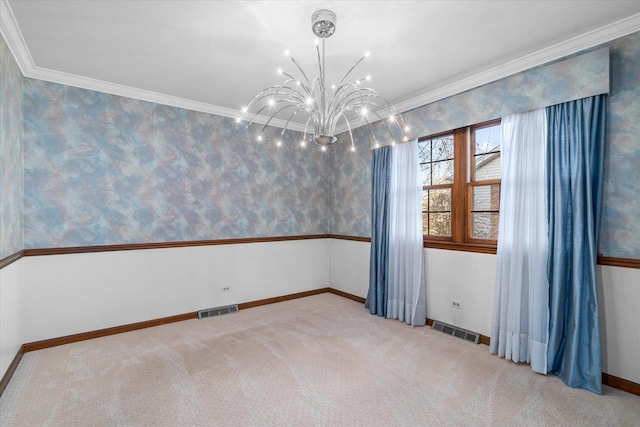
column 101, row 169
column 11, row 217
column 351, row 186
column 620, row 225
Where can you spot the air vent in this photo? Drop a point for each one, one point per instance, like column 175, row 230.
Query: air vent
column 210, row 312
column 474, row 337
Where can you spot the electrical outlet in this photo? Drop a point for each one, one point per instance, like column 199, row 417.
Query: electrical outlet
column 456, row 304
column 225, row 289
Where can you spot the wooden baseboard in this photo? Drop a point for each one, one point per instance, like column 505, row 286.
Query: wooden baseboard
column 610, row 380
column 83, row 336
column 621, row 384
column 347, row 295
column 274, row 300
column 11, row 369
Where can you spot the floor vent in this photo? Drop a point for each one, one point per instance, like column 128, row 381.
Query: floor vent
column 474, row 337
column 210, row 312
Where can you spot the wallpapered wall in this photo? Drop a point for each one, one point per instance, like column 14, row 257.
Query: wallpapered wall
column 10, row 154
column 102, row 169
column 620, row 226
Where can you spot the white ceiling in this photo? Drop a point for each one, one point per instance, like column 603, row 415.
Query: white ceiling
column 214, row 56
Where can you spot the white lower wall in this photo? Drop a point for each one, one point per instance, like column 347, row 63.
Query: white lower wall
column 11, row 313
column 349, row 266
column 619, row 303
column 68, row 294
column 52, row 296
column 469, row 278
column 463, row 276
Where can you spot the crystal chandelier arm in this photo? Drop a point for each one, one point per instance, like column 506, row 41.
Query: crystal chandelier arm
column 275, row 114
column 300, row 69
column 300, row 107
column 342, row 99
column 380, row 119
column 265, row 106
column 373, row 134
column 352, row 68
column 353, row 146
column 393, row 111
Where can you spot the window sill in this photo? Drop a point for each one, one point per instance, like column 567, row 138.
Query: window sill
column 465, row 247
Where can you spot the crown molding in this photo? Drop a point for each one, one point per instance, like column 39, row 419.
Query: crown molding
column 40, row 73
column 567, row 47
column 11, row 33
column 560, row 50
column 13, row 37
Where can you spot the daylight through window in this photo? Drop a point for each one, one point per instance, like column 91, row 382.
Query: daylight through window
column 460, row 173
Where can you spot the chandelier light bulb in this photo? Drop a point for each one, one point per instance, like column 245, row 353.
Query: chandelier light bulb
column 322, row 107
column 353, row 148
column 259, row 138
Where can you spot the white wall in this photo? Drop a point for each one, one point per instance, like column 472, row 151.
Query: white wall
column 619, row 303
column 469, row 277
column 68, row 294
column 349, row 266
column 11, row 313
column 463, row 276
column 52, row 296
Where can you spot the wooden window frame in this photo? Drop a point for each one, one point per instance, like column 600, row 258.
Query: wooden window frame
column 462, row 193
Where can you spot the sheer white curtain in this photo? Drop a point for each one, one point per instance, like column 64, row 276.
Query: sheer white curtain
column 406, row 291
column 521, row 310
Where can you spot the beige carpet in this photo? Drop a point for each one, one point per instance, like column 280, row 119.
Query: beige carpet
column 321, row 360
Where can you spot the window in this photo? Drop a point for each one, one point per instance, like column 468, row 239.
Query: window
column 460, row 173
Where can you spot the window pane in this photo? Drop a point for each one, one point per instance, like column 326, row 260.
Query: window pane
column 486, row 197
column 443, row 172
column 488, row 167
column 440, row 224
column 424, row 151
column 485, row 225
column 436, row 212
column 487, row 153
column 442, row 148
column 425, row 174
column 440, row 200
column 487, row 139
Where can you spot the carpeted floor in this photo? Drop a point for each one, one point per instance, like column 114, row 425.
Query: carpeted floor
column 321, row 360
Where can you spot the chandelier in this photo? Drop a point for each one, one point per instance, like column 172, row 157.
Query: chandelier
column 325, row 107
